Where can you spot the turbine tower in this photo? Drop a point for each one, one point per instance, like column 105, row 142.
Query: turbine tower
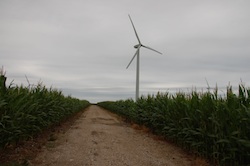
column 137, row 53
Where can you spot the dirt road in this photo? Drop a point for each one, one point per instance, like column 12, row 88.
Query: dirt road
column 100, row 138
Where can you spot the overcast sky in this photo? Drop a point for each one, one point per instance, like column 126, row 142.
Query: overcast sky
column 82, row 47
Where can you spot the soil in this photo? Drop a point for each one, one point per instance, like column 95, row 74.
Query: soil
column 101, row 138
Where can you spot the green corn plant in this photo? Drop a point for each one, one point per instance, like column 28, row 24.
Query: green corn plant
column 26, row 111
column 207, row 124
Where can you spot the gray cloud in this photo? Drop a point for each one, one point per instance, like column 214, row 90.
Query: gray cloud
column 83, row 47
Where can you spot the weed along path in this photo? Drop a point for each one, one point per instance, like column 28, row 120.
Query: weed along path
column 100, row 138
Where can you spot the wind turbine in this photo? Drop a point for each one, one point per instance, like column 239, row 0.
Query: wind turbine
column 208, row 87
column 137, row 53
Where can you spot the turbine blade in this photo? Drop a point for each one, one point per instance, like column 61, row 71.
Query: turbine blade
column 151, row 49
column 208, row 87
column 134, row 29
column 133, row 57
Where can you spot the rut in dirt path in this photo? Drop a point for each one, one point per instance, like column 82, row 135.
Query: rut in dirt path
column 100, row 138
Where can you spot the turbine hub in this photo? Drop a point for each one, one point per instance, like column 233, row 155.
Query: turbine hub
column 137, row 45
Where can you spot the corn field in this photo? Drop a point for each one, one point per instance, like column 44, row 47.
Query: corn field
column 214, row 127
column 25, row 111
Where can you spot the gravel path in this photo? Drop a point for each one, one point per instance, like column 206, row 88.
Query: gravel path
column 100, row 138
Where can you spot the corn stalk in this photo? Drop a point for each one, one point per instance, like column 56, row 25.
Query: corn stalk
column 208, row 125
column 26, row 111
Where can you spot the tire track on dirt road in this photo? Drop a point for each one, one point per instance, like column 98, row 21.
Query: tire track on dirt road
column 100, row 138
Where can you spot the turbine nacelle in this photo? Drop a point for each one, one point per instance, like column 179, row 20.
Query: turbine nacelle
column 137, row 45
